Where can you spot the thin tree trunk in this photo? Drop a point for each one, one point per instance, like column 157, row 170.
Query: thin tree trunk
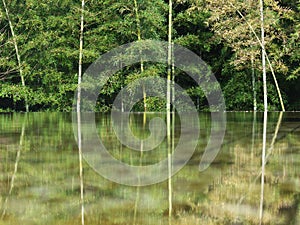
column 169, row 110
column 265, row 112
column 263, row 60
column 173, row 101
column 80, row 57
column 17, row 52
column 253, row 85
column 172, row 138
column 266, row 55
column 173, row 78
column 78, row 112
column 138, row 23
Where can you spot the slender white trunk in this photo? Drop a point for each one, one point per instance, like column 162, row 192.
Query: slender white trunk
column 263, row 60
column 173, row 101
column 17, row 51
column 253, row 84
column 80, row 57
column 169, row 75
column 138, row 23
column 263, row 155
column 78, row 111
column 139, row 36
column 268, row 60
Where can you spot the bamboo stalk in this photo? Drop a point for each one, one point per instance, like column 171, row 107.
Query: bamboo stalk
column 266, row 55
column 263, row 60
column 253, row 84
column 169, row 111
column 17, row 52
column 78, row 111
column 139, row 36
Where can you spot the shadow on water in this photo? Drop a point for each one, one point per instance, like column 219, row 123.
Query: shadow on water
column 40, row 183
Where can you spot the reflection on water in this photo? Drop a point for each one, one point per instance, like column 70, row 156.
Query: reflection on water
column 39, row 174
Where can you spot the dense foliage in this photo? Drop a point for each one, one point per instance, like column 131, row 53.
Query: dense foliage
column 47, row 35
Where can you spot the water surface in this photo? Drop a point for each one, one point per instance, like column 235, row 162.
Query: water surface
column 39, row 174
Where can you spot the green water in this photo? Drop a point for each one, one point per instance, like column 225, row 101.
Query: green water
column 40, row 184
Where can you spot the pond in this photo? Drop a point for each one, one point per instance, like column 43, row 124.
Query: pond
column 41, row 183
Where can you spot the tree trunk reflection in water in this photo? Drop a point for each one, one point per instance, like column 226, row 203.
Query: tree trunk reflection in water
column 253, row 135
column 21, row 143
column 264, row 157
column 263, row 167
column 270, row 149
column 80, row 166
column 137, row 198
column 170, row 145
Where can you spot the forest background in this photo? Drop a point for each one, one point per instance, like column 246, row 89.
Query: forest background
column 39, row 49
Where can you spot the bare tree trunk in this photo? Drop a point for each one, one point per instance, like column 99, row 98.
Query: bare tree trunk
column 78, row 112
column 263, row 60
column 138, row 23
column 169, row 110
column 263, row 155
column 268, row 60
column 173, row 101
column 17, row 52
column 253, row 85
